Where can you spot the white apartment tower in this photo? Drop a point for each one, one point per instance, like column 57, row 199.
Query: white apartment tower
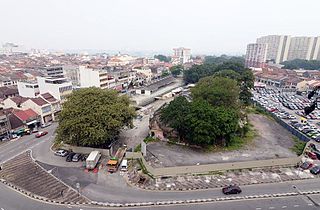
column 278, row 47
column 256, row 55
column 303, row 47
column 182, row 54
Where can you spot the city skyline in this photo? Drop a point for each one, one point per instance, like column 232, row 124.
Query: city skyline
column 141, row 26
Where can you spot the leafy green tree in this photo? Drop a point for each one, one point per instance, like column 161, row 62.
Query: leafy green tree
column 229, row 74
column 246, row 85
column 301, row 64
column 218, row 91
column 163, row 58
column 197, row 72
column 176, row 70
column 175, row 115
column 93, row 117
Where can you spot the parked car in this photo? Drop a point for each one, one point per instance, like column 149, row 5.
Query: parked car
column 45, row 125
column 76, row 157
column 315, row 170
column 312, row 155
column 231, row 189
column 84, row 157
column 41, row 133
column 313, row 146
column 61, row 152
column 70, row 156
column 306, row 165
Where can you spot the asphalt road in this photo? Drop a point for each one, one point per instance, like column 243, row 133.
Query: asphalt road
column 14, row 147
column 7, row 196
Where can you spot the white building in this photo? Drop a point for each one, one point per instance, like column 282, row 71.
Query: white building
column 59, row 88
column 96, row 78
column 28, row 89
column 278, row 47
column 183, row 55
column 256, row 55
column 303, row 47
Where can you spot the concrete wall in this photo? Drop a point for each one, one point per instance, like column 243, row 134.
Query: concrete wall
column 201, row 169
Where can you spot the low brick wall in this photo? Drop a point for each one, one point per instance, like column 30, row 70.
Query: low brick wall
column 201, row 169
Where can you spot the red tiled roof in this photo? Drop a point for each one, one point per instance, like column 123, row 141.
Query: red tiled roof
column 19, row 100
column 25, row 115
column 39, row 101
column 48, row 97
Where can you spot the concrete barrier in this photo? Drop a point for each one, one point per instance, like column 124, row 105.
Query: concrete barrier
column 199, row 169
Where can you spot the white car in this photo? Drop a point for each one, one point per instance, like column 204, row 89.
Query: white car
column 61, row 153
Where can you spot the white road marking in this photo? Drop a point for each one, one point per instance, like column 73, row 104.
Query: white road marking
column 271, row 207
column 310, row 204
column 258, row 208
column 296, row 206
column 2, row 208
column 284, row 207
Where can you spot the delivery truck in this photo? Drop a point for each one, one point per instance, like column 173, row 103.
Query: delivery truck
column 93, row 159
column 115, row 161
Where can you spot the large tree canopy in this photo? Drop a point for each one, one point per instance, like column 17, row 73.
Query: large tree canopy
column 302, row 64
column 218, row 91
column 200, row 123
column 93, row 117
column 224, row 67
column 163, row 58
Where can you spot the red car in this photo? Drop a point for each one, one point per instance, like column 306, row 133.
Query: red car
column 312, row 155
column 41, row 133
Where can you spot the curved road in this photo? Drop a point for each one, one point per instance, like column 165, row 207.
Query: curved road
column 123, row 193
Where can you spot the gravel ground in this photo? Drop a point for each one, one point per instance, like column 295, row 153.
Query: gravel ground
column 272, row 141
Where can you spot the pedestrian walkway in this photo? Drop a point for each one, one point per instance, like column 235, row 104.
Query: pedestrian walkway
column 24, row 173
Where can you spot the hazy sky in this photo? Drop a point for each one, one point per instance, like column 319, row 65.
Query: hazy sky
column 205, row 26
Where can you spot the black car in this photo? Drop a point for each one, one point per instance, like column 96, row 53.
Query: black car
column 70, row 156
column 313, row 146
column 76, row 157
column 231, row 189
column 315, row 170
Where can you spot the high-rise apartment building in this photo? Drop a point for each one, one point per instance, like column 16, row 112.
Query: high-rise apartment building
column 278, row 47
column 304, row 48
column 256, row 55
column 54, row 71
column 282, row 48
column 182, row 55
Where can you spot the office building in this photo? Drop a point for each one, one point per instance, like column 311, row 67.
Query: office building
column 256, row 55
column 54, row 71
column 96, row 78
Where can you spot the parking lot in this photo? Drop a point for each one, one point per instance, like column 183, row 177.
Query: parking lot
column 289, row 107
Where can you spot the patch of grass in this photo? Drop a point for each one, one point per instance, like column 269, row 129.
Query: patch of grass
column 150, row 139
column 238, row 142
column 298, row 146
column 258, row 110
column 137, row 148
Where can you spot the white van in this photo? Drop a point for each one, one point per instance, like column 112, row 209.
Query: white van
column 124, row 165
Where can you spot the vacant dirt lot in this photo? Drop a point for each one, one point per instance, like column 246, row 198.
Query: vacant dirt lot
column 272, row 141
